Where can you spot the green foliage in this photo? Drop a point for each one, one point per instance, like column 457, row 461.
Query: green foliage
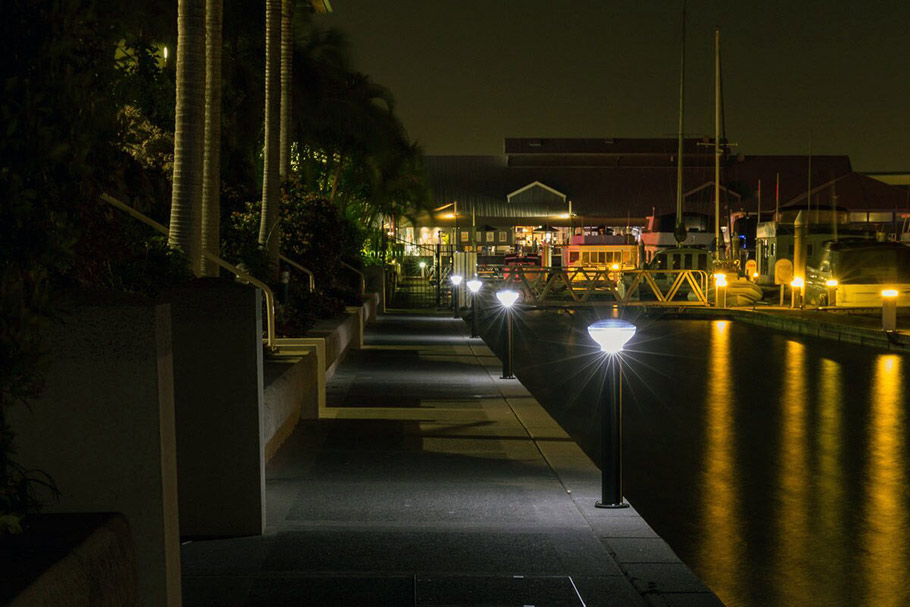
column 61, row 147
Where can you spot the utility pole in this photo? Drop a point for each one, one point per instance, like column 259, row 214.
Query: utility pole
column 717, row 149
column 680, row 231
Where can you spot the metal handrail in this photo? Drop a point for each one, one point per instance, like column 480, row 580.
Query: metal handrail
column 363, row 278
column 242, row 275
column 297, row 266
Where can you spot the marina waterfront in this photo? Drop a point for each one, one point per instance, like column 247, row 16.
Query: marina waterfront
column 776, row 466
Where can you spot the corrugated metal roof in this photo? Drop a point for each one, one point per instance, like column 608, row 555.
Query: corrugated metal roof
column 618, row 191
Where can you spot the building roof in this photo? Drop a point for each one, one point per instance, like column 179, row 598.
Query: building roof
column 857, row 192
column 597, row 188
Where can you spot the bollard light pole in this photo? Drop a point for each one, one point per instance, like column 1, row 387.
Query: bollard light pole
column 796, row 292
column 831, row 288
column 474, row 286
column 889, row 310
column 507, row 297
column 720, row 290
column 456, row 280
column 611, row 335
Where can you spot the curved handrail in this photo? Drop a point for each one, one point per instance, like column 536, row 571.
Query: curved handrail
column 297, row 266
column 363, row 278
column 242, row 275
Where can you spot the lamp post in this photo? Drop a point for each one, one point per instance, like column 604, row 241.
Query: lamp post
column 831, row 288
column 423, row 268
column 796, row 292
column 456, row 280
column 720, row 290
column 611, row 335
column 507, row 297
column 474, row 286
column 889, row 310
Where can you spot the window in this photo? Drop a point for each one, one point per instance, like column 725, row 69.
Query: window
column 465, row 236
column 491, row 236
column 573, row 257
column 585, row 258
column 503, row 237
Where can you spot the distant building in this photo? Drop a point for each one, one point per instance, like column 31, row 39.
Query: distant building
column 546, row 190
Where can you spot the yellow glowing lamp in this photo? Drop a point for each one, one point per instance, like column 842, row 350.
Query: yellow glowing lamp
column 889, row 293
column 720, row 280
column 474, row 285
column 615, row 266
column 456, row 279
column 831, row 282
column 754, row 274
column 611, row 334
column 797, row 283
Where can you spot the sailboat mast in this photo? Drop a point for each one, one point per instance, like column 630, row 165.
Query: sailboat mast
column 717, row 152
column 680, row 226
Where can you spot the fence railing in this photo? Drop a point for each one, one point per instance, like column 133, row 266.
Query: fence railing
column 271, row 340
column 587, row 285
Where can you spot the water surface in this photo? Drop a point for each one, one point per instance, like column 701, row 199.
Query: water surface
column 776, row 466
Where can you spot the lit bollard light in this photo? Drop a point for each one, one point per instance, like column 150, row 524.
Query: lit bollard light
column 611, row 335
column 831, row 291
column 507, row 298
column 796, row 292
column 720, row 290
column 456, row 280
column 474, row 286
column 889, row 310
column 423, row 269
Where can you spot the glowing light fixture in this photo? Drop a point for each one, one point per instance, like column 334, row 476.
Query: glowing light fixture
column 797, row 283
column 889, row 293
column 720, row 280
column 422, row 265
column 611, row 334
column 474, row 285
column 507, row 297
column 615, row 266
column 754, row 274
column 831, row 282
column 456, row 279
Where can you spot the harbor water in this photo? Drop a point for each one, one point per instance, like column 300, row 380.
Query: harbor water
column 777, row 467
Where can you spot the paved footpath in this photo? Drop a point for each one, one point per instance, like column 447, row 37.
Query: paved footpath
column 429, row 481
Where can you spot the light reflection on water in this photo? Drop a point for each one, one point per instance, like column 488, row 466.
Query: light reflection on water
column 776, row 467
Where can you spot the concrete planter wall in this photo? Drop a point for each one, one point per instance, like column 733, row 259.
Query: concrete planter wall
column 78, row 560
column 218, row 386
column 104, row 429
column 296, row 386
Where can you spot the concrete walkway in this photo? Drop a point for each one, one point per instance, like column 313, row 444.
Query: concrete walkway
column 429, row 481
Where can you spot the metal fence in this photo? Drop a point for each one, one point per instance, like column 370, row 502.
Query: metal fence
column 417, row 276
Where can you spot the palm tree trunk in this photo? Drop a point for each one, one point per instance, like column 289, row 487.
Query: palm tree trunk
column 271, row 185
column 287, row 56
column 211, row 168
column 185, row 231
column 335, row 177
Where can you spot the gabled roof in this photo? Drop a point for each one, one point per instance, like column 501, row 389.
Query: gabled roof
column 531, row 187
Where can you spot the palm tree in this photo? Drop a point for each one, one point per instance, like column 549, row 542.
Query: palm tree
column 211, row 181
column 287, row 56
column 271, row 185
column 185, row 224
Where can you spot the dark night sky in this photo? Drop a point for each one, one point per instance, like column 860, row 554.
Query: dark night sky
column 467, row 74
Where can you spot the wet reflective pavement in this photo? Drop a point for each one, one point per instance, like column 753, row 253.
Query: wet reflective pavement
column 776, row 466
